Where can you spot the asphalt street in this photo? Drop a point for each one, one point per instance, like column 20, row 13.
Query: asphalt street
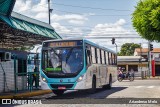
column 125, row 93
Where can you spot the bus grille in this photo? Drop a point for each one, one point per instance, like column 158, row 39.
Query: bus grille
column 61, row 85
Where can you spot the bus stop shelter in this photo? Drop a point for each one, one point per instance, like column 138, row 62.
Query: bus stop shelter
column 17, row 30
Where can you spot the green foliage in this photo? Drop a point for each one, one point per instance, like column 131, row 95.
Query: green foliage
column 146, row 19
column 127, row 49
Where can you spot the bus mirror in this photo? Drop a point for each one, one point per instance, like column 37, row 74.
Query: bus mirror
column 88, row 52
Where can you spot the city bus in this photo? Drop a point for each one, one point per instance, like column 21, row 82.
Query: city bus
column 76, row 65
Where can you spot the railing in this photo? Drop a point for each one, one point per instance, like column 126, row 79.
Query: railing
column 31, row 78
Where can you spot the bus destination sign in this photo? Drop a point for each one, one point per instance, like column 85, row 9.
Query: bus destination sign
column 62, row 44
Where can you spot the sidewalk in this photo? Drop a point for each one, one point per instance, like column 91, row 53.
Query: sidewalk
column 24, row 94
column 148, row 78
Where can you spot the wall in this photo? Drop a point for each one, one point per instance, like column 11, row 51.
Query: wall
column 8, row 67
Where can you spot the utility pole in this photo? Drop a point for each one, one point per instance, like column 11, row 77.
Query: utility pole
column 140, row 61
column 49, row 12
column 149, row 59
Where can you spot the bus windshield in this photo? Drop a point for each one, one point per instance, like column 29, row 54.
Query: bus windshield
column 62, row 60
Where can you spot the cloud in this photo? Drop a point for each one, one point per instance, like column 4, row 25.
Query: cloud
column 67, row 32
column 37, row 10
column 41, row 16
column 70, row 18
column 109, row 28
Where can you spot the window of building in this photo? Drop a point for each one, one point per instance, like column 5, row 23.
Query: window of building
column 133, row 67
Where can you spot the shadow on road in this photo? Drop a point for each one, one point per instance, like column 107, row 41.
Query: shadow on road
column 100, row 94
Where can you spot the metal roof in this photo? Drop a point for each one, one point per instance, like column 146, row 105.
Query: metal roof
column 17, row 29
column 6, row 7
column 31, row 20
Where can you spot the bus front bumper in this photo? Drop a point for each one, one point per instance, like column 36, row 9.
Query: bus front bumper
column 67, row 86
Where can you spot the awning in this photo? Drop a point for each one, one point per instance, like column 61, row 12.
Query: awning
column 17, row 30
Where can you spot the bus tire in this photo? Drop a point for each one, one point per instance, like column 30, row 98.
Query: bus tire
column 58, row 92
column 109, row 86
column 93, row 89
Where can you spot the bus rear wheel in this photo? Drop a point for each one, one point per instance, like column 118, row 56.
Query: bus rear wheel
column 109, row 86
column 58, row 92
column 93, row 89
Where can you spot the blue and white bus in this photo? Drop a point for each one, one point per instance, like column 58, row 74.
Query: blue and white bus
column 76, row 65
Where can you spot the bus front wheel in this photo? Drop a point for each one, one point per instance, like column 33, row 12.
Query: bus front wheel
column 58, row 92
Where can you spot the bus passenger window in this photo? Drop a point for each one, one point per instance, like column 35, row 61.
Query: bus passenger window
column 88, row 55
column 98, row 56
column 107, row 59
column 105, row 62
column 102, row 56
column 112, row 59
column 93, row 55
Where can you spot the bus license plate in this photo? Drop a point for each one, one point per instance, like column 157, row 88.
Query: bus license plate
column 61, row 88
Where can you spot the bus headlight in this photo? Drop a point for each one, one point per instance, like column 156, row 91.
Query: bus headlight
column 44, row 79
column 80, row 78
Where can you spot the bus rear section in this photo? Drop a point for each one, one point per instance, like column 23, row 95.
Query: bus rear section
column 62, row 66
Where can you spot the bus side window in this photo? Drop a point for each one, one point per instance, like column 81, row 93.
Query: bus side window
column 110, row 58
column 107, row 59
column 100, row 56
column 96, row 55
column 115, row 59
column 105, row 62
column 93, row 55
column 88, row 55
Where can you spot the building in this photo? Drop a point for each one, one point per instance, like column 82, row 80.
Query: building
column 126, row 63
column 155, row 56
column 139, row 62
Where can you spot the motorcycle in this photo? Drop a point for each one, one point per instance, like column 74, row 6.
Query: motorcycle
column 126, row 76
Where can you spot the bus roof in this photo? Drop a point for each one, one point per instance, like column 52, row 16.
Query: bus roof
column 86, row 41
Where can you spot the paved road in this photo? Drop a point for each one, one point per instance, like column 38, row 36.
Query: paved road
column 121, row 92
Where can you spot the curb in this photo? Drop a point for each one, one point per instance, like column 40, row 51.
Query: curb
column 147, row 78
column 26, row 94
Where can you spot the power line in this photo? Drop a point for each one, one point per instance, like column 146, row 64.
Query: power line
column 97, row 8
column 89, row 15
column 44, row 5
column 90, row 7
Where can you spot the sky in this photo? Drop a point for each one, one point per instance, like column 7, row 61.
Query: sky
column 96, row 20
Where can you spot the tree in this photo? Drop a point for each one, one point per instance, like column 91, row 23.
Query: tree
column 127, row 49
column 146, row 19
